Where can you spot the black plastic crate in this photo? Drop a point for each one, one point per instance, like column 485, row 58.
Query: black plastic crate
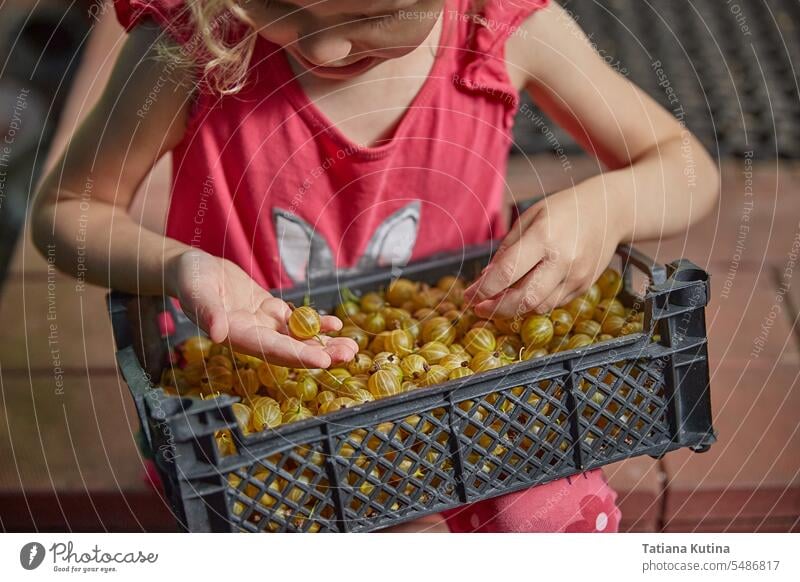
column 428, row 450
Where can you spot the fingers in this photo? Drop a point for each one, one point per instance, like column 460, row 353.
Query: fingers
column 284, row 350
column 506, row 268
column 217, row 326
column 518, row 228
column 340, row 349
column 331, row 323
column 281, row 349
column 561, row 295
column 210, row 315
column 526, row 295
column 280, row 311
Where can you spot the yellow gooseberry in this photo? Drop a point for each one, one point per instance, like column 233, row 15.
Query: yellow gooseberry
column 196, row 348
column 449, row 282
column 372, row 302
column 435, row 375
column 356, row 334
column 479, row 340
column 631, row 327
column 610, row 283
column 610, row 306
column 399, row 291
column 562, row 321
column 244, row 415
column 438, row 329
column 219, row 378
column 394, row 316
column 588, row 327
column 384, row 383
column 360, row 364
column 322, row 398
column 412, row 326
column 593, row 294
column 266, row 415
column 460, row 372
column 537, row 331
column 399, row 342
column 374, row 323
column 305, row 388
column 612, row 324
column 557, row 344
column 433, row 352
column 346, row 310
column 509, row 346
column 533, row 353
column 453, row 361
column 414, row 366
column 246, row 382
column 304, row 323
column 580, row 308
column 578, row 340
column 483, row 361
column 272, row 376
column 296, row 414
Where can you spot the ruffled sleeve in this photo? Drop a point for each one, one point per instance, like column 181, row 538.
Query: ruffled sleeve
column 483, row 67
column 171, row 15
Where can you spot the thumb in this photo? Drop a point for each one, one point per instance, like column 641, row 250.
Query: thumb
column 210, row 315
column 216, row 324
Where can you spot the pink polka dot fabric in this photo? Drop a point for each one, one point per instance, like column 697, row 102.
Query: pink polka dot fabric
column 584, row 503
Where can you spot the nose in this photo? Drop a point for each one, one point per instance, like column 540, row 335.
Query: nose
column 324, row 49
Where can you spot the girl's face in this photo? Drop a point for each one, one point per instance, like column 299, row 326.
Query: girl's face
column 343, row 38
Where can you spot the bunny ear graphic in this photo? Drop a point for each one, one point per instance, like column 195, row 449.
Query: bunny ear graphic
column 304, row 253
column 394, row 239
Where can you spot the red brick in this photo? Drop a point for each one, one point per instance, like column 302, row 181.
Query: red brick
column 727, row 525
column 80, row 440
column 29, row 308
column 734, row 320
column 638, row 483
column 96, row 511
column 772, row 225
column 752, row 471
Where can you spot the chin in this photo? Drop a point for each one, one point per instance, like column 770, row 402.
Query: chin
column 354, row 69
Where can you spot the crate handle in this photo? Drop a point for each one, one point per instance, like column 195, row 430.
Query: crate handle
column 657, row 273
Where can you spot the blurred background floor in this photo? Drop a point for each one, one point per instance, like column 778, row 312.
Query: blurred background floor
column 67, row 423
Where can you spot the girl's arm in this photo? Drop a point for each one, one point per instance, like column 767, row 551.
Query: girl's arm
column 80, row 211
column 80, row 215
column 660, row 179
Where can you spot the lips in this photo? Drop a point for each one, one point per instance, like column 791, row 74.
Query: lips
column 350, row 70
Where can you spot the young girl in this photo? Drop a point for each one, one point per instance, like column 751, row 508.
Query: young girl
column 311, row 137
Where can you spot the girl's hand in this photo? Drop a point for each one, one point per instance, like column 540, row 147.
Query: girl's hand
column 554, row 252
column 228, row 305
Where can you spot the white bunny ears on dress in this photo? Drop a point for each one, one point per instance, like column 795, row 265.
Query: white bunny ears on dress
column 305, row 254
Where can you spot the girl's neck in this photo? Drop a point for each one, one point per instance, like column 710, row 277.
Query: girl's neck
column 367, row 108
column 419, row 60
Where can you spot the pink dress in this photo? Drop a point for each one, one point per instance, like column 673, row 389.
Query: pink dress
column 265, row 180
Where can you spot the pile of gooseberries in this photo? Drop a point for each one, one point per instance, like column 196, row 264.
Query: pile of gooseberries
column 410, row 336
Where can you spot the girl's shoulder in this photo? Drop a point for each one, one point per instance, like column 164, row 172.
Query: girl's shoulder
column 487, row 24
column 171, row 15
column 484, row 28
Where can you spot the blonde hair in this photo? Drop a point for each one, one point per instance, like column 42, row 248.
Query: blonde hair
column 219, row 46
